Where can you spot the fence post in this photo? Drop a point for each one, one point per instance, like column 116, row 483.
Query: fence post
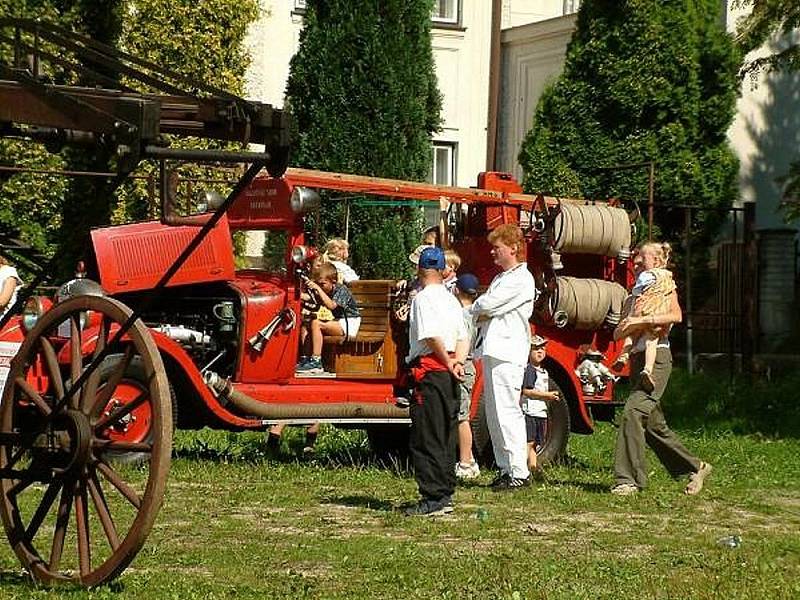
column 749, row 325
column 687, row 236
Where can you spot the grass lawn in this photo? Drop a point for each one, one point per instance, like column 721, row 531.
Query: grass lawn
column 238, row 525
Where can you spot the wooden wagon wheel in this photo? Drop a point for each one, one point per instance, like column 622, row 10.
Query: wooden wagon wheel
column 71, row 511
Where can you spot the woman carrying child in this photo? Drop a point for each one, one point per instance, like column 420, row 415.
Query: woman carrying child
column 643, row 418
column 651, row 296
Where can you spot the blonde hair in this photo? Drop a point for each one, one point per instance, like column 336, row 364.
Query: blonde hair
column 661, row 250
column 3, row 261
column 452, row 259
column 325, row 270
column 508, row 234
column 334, row 248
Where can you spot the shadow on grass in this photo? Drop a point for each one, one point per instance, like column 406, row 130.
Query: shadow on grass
column 17, row 578
column 358, row 501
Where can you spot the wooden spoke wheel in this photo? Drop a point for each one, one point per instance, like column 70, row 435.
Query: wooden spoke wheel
column 74, row 510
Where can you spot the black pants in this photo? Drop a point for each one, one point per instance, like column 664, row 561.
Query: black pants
column 434, row 424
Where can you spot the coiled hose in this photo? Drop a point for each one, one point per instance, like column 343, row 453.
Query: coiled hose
column 587, row 303
column 592, row 229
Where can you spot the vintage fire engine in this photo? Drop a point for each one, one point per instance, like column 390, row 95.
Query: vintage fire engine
column 162, row 329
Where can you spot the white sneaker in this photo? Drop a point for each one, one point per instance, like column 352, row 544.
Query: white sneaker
column 470, row 471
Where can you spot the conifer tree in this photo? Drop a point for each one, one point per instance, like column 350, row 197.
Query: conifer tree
column 363, row 95
column 644, row 80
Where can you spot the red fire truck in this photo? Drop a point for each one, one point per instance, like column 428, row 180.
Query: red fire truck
column 162, row 329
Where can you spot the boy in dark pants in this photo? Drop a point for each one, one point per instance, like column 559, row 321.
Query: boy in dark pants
column 437, row 348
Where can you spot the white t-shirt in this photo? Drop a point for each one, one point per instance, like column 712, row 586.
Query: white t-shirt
column 435, row 313
column 346, row 272
column 7, row 271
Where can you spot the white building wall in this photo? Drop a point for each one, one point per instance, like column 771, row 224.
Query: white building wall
column 766, row 131
column 462, row 69
column 461, row 55
column 532, row 57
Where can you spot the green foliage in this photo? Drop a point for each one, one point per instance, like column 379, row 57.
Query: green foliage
column 202, row 40
column 644, row 80
column 32, row 203
column 362, row 90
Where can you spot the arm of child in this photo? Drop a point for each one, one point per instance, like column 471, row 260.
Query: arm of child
column 539, row 395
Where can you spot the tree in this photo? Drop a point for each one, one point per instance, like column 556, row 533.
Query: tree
column 203, row 40
column 644, row 80
column 362, row 91
column 31, row 204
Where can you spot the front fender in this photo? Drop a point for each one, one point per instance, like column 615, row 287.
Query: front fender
column 168, row 349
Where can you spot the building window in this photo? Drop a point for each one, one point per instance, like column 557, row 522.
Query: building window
column 571, row 6
column 447, row 12
column 443, row 168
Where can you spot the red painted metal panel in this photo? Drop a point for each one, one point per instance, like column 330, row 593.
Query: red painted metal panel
column 263, row 297
column 264, row 204
column 134, row 257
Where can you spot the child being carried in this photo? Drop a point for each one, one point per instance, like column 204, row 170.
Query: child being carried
column 650, row 296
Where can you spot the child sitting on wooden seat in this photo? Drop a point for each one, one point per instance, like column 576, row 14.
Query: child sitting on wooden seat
column 335, row 297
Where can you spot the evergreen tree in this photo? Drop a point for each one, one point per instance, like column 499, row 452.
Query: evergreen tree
column 362, row 91
column 644, row 80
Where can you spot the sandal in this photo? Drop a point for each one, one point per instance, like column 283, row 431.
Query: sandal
column 624, row 489
column 697, row 479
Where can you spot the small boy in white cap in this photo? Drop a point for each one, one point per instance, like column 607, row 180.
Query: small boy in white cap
column 535, row 395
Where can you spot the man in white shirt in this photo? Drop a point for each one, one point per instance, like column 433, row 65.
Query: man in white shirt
column 503, row 314
column 437, row 349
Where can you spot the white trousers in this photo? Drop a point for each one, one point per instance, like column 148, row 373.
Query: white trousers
column 502, row 385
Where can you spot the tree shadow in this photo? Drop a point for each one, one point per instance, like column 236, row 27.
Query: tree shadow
column 771, row 124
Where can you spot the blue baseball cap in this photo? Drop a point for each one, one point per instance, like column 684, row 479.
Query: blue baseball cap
column 468, row 284
column 431, row 258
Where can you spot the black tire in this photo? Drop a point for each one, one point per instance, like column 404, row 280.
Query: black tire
column 557, row 432
column 135, row 373
column 389, row 443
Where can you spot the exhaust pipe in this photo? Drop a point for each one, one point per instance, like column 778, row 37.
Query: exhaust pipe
column 251, row 406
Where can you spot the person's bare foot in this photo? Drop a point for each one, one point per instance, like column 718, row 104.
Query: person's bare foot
column 697, row 479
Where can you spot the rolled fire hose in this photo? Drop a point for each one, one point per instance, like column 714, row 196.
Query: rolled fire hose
column 592, row 229
column 587, row 303
column 251, row 406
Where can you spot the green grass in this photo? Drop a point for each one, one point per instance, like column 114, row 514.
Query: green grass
column 237, row 524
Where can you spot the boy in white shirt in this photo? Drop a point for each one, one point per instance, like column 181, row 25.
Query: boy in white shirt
column 535, row 395
column 437, row 348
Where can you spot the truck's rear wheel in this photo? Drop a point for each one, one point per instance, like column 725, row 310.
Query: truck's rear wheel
column 389, row 443
column 556, row 432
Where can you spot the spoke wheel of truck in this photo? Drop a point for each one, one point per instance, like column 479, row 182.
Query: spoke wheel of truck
column 70, row 513
column 556, row 433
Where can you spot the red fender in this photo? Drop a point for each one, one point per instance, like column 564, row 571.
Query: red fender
column 170, row 348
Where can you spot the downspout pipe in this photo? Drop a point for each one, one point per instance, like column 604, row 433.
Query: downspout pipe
column 351, row 410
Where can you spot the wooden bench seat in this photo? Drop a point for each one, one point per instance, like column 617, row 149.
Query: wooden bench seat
column 372, row 354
